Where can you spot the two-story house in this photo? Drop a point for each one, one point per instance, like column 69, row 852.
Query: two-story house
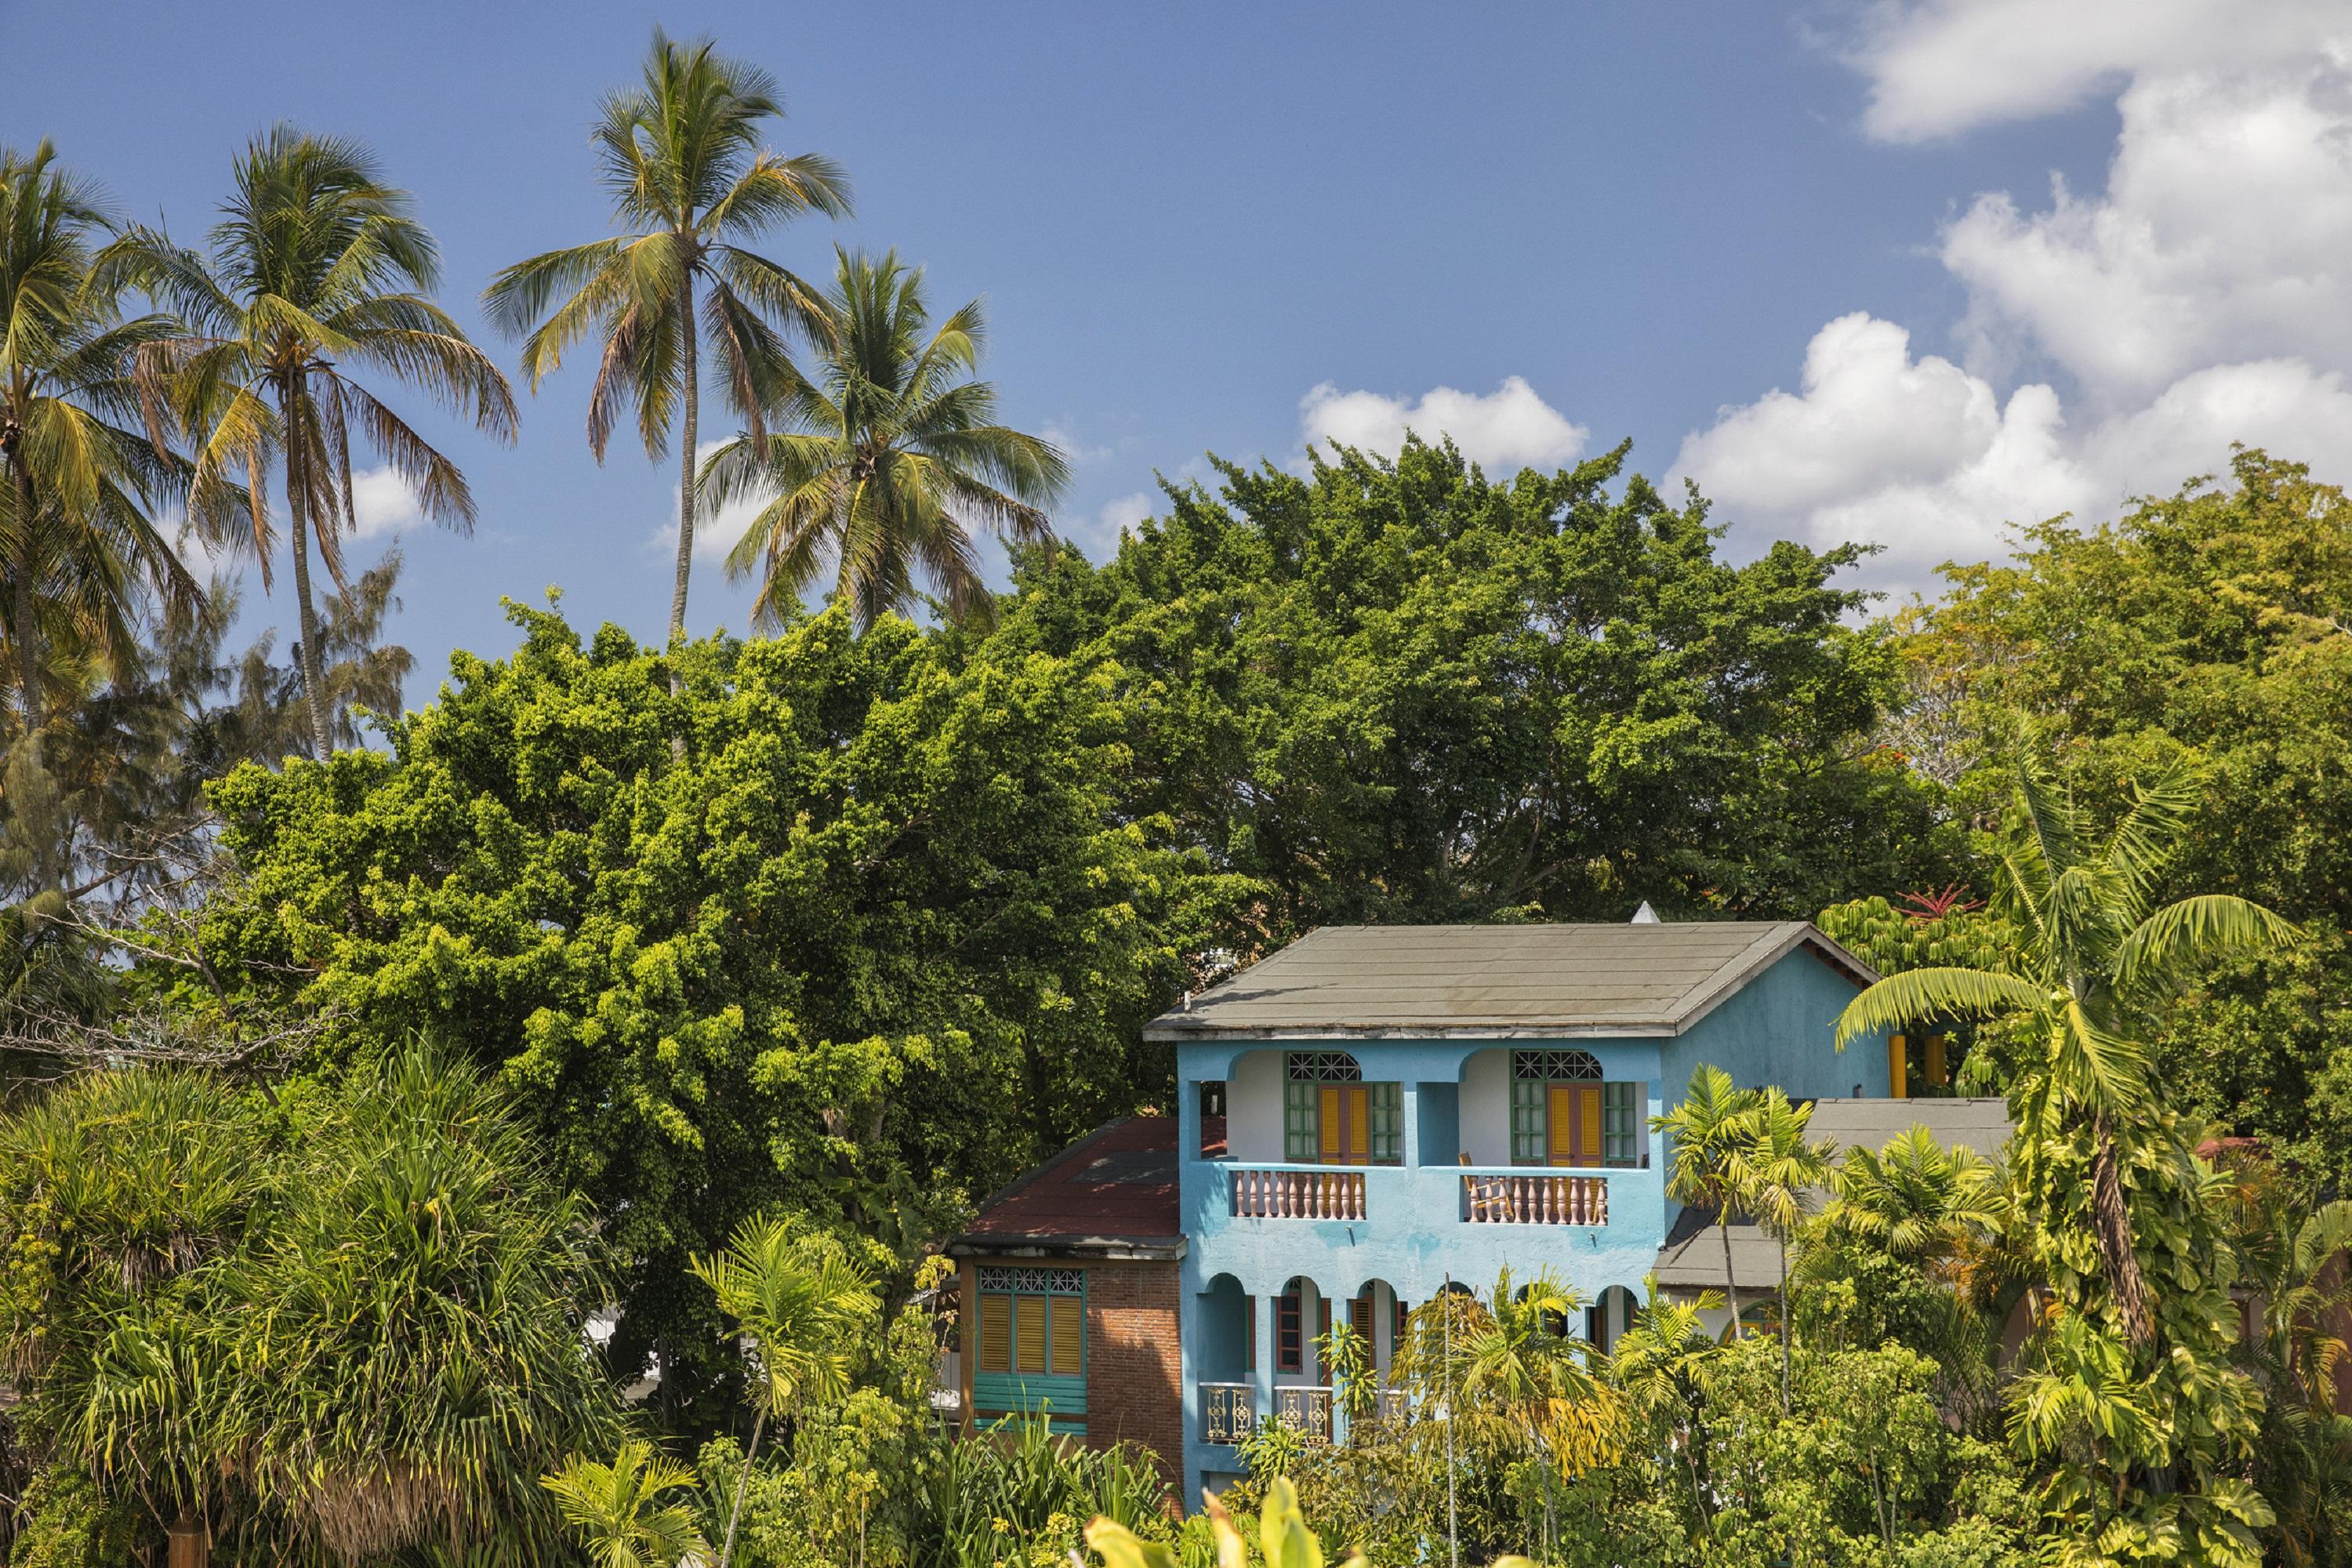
column 1374, row 1113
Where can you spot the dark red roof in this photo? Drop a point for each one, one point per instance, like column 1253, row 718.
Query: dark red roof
column 1112, row 1190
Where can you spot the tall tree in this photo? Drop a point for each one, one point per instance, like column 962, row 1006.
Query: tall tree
column 1776, row 1170
column 316, row 267
column 1707, row 1128
column 78, row 541
column 889, row 462
column 2095, row 959
column 683, row 162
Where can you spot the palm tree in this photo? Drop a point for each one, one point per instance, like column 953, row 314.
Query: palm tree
column 1916, row 1200
column 799, row 1304
column 315, row 268
column 689, row 178
column 1706, row 1129
column 618, row 1513
column 77, row 538
column 890, row 460
column 1661, row 1366
column 2095, row 959
column 1776, row 1170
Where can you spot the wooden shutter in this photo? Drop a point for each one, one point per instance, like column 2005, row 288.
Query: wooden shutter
column 1360, row 1137
column 1069, row 1335
column 1249, row 1356
column 1360, row 1318
column 1588, row 1124
column 1323, row 1317
column 1327, row 1135
column 1560, row 1150
column 1029, row 1334
column 996, row 1334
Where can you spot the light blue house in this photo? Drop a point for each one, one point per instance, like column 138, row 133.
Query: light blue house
column 1375, row 1111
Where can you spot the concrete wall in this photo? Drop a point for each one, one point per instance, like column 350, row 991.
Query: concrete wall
column 1486, row 1108
column 1252, row 1107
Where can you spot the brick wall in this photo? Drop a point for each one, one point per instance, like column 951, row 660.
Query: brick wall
column 1134, row 1371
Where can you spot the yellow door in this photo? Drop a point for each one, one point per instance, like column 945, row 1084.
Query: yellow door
column 1344, row 1138
column 1573, row 1124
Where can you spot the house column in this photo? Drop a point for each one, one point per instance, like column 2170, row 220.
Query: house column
column 1265, row 1315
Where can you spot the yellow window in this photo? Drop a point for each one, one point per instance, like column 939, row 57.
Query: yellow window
column 996, row 1334
column 1029, row 1334
column 1069, row 1335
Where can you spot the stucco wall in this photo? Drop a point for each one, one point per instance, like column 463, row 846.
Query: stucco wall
column 1486, row 1108
column 1254, row 1107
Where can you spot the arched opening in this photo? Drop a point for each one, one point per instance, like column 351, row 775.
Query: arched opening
column 1225, row 1322
column 1610, row 1314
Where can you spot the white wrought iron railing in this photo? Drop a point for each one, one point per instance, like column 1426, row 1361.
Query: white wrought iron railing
column 1297, row 1194
column 1306, row 1408
column 1228, row 1412
column 1528, row 1199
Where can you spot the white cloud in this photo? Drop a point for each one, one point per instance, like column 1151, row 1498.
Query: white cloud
column 2203, row 297
column 1914, row 456
column 2222, row 235
column 1072, row 447
column 1503, row 430
column 1125, row 512
column 380, row 502
column 1939, row 66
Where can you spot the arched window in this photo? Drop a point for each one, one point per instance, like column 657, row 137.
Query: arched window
column 1562, row 1113
column 1332, row 1117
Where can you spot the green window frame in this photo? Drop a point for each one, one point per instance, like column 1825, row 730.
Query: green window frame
column 1527, row 1121
column 1302, row 1123
column 1620, row 1124
column 1054, row 1300
column 1384, row 1118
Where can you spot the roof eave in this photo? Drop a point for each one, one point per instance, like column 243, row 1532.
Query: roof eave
column 1105, row 1248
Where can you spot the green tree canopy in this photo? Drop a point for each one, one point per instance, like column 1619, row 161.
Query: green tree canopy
column 847, row 926
column 1401, row 691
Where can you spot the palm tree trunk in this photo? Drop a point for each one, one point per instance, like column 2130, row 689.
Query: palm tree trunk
column 297, row 524
column 1784, row 1325
column 2112, row 1220
column 38, row 826
column 1730, row 1285
column 690, row 387
column 727, row 1550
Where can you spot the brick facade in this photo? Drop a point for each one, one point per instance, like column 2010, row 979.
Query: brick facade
column 1134, row 1363
column 1134, row 1371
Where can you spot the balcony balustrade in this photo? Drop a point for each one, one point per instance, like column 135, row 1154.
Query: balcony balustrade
column 1306, row 1409
column 1296, row 1193
column 1228, row 1412
column 1519, row 1197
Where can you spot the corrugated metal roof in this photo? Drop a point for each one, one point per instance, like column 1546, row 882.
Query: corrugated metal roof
column 1638, row 979
column 1692, row 1258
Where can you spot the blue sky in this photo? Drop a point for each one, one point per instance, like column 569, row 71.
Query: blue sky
column 1815, row 258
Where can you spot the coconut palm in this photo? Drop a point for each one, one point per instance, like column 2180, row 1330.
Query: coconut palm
column 1776, row 1170
column 315, row 271
column 77, row 540
column 690, row 182
column 2095, row 959
column 1916, row 1200
column 619, row 1513
column 800, row 1304
column 1706, row 1129
column 888, row 460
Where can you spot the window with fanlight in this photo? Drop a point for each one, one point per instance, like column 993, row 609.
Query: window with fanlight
column 1332, row 1117
column 1565, row 1112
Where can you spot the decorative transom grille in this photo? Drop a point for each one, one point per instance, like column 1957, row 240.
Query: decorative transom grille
column 1571, row 1067
column 1032, row 1281
column 1324, row 1066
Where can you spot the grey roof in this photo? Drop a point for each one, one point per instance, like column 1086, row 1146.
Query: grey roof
column 1496, row 979
column 1692, row 1258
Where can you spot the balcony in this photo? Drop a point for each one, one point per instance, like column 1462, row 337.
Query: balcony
column 1298, row 1192
column 1503, row 1196
column 1306, row 1409
column 1228, row 1412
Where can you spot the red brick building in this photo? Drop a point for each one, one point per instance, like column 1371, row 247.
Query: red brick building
column 1068, row 1294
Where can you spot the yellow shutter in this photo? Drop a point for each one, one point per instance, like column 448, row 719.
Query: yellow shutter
column 1560, row 1148
column 1935, row 1073
column 1588, row 1121
column 1069, row 1335
column 1360, row 1145
column 1328, row 1144
column 1898, row 1067
column 995, row 1334
column 1028, row 1333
